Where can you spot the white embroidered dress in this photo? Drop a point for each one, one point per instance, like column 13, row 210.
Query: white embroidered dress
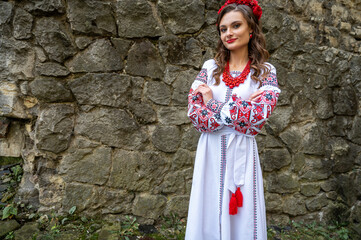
column 227, row 158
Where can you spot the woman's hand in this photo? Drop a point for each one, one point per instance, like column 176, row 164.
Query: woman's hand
column 205, row 91
column 255, row 96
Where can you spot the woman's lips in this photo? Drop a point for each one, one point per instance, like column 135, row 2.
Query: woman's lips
column 231, row 40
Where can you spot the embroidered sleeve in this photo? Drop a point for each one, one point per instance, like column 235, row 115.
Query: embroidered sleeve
column 245, row 116
column 203, row 119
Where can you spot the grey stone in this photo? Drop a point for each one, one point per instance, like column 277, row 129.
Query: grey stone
column 171, row 73
column 11, row 105
column 4, row 126
column 343, row 154
column 213, row 4
column 50, row 33
column 181, row 51
column 158, row 92
column 348, row 186
column 324, row 105
column 136, row 171
column 83, row 41
column 209, row 37
column 294, row 205
column 332, row 195
column 54, row 127
column 292, row 137
column 91, row 17
column 182, row 158
column 313, row 141
column 274, row 159
column 107, row 89
column 50, row 90
column 272, row 142
column 40, row 54
column 131, row 23
column 145, row 60
column 282, row 183
column 302, row 109
column 339, row 125
column 45, row 6
column 182, row 16
column 6, row 9
column 316, row 168
column 190, row 138
column 116, row 201
column 345, row 101
column 166, row 138
column 143, row 111
column 298, row 162
column 211, row 18
column 110, row 232
column 22, row 24
column 80, row 195
column 329, row 185
column 296, row 81
column 100, row 56
column 137, row 88
column 173, row 115
column 178, row 205
column 310, row 189
column 8, row 226
column 355, row 217
column 280, row 119
column 52, row 69
column 149, row 206
column 174, row 182
column 17, row 61
column 278, row 219
column 83, row 157
column 122, row 46
column 181, row 86
column 113, row 127
column 355, row 132
column 273, row 202
column 316, row 203
column 27, row 231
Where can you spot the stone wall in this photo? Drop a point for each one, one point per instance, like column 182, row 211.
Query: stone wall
column 94, row 96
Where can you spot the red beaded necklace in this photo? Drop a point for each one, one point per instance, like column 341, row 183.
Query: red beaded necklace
column 235, row 81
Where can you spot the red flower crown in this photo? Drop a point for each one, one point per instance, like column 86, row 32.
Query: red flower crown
column 253, row 4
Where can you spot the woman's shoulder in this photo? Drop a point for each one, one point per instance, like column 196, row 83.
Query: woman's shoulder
column 270, row 67
column 209, row 64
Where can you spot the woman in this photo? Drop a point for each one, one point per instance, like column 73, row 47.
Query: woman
column 229, row 102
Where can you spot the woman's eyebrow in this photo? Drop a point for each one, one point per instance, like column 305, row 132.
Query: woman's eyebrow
column 232, row 23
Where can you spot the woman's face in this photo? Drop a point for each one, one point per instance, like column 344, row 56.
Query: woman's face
column 234, row 31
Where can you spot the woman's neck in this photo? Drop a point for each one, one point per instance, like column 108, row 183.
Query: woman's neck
column 238, row 59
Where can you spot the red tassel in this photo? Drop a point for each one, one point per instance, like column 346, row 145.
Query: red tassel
column 239, row 197
column 233, row 205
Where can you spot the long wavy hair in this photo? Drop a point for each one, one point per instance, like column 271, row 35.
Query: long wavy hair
column 257, row 52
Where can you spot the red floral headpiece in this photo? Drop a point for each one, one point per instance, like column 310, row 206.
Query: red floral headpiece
column 253, row 4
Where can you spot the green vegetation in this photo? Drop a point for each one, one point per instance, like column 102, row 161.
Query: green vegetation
column 311, row 231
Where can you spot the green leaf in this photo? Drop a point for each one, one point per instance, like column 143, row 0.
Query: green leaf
column 72, row 210
column 64, row 220
column 6, row 212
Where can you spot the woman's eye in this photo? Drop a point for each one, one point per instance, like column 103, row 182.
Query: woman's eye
column 237, row 25
column 223, row 30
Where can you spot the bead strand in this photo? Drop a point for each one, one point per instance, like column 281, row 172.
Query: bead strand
column 231, row 81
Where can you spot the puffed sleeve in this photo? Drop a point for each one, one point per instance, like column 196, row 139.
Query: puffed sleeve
column 248, row 117
column 203, row 119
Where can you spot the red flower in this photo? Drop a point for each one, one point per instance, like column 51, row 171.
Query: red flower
column 257, row 11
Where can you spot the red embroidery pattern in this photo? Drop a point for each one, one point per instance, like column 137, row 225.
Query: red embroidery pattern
column 203, row 119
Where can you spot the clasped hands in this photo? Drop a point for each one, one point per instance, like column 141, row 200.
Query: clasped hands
column 207, row 94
